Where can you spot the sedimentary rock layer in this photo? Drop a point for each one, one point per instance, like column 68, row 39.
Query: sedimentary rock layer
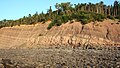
column 106, row 33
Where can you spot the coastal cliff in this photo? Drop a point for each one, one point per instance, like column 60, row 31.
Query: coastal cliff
column 106, row 33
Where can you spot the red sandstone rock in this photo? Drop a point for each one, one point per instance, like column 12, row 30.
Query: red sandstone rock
column 28, row 36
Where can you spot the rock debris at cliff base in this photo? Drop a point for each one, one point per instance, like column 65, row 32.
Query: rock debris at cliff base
column 59, row 58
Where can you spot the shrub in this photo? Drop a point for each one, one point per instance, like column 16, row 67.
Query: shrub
column 110, row 17
column 64, row 19
column 50, row 25
column 84, row 21
column 55, row 22
column 99, row 17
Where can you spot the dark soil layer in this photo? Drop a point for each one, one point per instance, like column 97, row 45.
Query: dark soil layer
column 59, row 58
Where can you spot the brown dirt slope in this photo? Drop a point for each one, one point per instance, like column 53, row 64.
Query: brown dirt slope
column 106, row 33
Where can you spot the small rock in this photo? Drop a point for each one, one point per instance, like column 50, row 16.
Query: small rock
column 47, row 66
column 0, row 60
column 118, row 66
column 1, row 66
column 6, row 61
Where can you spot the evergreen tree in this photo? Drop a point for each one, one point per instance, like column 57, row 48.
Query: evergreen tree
column 65, row 12
column 119, row 10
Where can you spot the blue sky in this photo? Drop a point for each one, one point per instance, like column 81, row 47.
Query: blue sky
column 15, row 9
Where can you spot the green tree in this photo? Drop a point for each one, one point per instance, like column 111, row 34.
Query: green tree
column 101, row 7
column 119, row 10
column 116, row 5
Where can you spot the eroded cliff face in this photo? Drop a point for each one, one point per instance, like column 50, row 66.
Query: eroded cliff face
column 106, row 33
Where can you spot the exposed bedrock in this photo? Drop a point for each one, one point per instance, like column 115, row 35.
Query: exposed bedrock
column 106, row 33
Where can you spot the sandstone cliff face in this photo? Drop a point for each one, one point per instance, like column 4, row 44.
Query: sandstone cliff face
column 106, row 33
